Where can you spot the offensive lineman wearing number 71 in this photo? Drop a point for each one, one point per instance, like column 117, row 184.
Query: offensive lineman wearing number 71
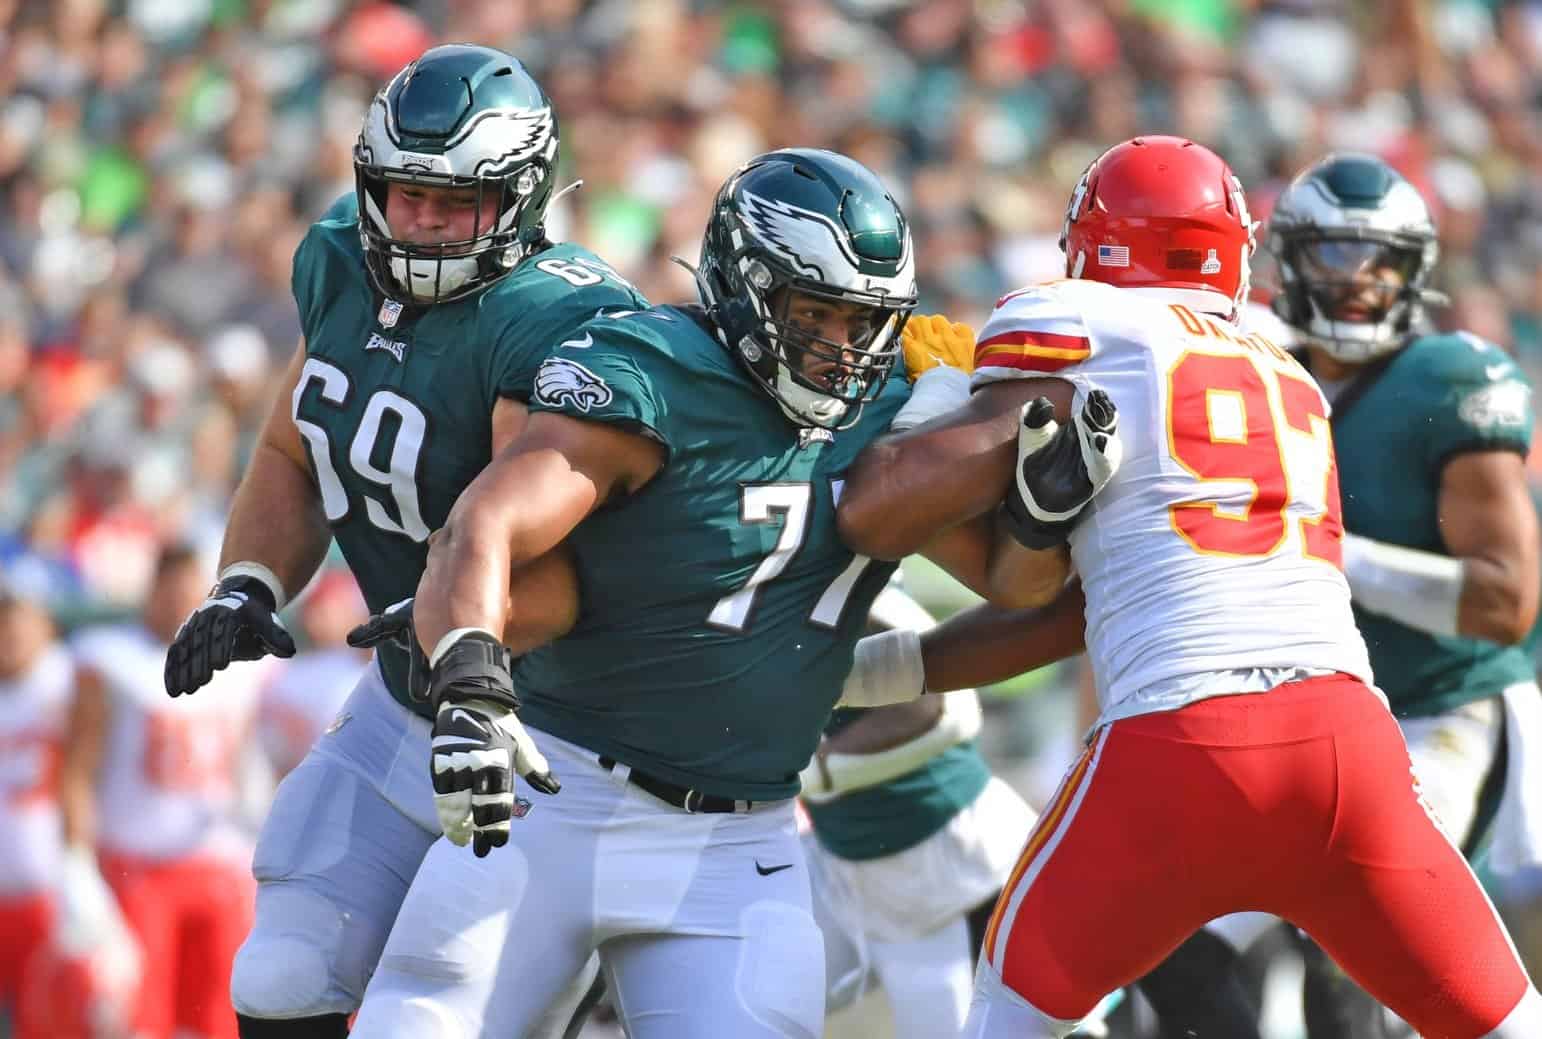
column 1242, row 759
column 691, row 459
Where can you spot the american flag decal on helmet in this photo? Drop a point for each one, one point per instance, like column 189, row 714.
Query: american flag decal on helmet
column 1113, row 256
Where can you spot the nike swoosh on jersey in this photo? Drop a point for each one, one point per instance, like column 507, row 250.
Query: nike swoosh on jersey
column 766, row 871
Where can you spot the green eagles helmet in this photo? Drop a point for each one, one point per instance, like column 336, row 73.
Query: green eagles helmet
column 1346, row 215
column 460, row 116
column 824, row 225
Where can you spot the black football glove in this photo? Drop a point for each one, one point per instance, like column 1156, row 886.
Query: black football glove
column 1060, row 468
column 393, row 625
column 236, row 622
column 479, row 744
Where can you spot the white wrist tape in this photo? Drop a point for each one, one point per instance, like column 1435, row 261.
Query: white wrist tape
column 936, row 391
column 453, row 636
column 258, row 572
column 887, row 668
column 838, row 773
column 1420, row 589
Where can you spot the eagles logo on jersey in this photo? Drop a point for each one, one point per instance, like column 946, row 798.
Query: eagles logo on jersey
column 560, row 381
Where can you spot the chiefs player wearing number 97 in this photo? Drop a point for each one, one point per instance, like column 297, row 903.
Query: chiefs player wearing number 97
column 1243, row 759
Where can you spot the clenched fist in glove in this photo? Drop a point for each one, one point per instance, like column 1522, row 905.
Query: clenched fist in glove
column 479, row 744
column 1060, row 468
column 238, row 621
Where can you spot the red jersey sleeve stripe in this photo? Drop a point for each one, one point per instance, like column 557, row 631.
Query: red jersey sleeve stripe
column 1032, row 351
column 1026, row 362
column 1040, row 341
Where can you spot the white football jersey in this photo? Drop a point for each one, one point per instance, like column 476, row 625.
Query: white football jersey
column 32, row 727
column 167, row 785
column 1212, row 560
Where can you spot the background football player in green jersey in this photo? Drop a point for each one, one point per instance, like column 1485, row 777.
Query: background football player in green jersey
column 428, row 298
column 1430, row 433
column 691, row 458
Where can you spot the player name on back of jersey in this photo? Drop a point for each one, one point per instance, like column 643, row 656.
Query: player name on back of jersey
column 1203, row 326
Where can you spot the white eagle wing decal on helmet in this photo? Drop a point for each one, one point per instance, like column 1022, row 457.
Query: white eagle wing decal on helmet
column 805, row 239
column 516, row 134
column 560, row 381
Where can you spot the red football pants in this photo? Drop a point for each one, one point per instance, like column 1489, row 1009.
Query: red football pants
column 1299, row 802
column 26, row 924
column 190, row 917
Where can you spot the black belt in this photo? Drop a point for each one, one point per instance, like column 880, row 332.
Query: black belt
column 681, row 797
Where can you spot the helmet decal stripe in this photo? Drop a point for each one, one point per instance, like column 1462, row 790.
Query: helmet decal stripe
column 801, row 237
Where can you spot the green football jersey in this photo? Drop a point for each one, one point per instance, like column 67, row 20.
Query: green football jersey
column 395, row 401
column 719, row 609
column 889, row 818
column 1394, row 429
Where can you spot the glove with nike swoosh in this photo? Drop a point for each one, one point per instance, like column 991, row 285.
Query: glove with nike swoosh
column 479, row 744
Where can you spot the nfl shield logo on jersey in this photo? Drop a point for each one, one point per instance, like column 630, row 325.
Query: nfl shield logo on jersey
column 390, row 313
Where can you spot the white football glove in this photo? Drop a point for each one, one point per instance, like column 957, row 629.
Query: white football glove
column 479, row 744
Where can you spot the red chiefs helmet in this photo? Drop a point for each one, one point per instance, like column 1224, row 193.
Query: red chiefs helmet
column 1162, row 212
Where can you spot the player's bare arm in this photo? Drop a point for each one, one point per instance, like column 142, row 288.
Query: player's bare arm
column 1486, row 584
column 543, row 594
column 516, row 511
column 984, row 644
column 519, row 508
column 978, row 646
column 1489, row 524
column 276, row 519
column 907, row 488
column 983, row 556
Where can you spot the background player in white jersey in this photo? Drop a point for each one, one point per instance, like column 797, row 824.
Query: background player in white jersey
column 36, row 682
column 1242, row 761
column 152, row 787
column 1431, row 433
column 428, row 297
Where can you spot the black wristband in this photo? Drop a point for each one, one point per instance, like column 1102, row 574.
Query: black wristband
column 475, row 667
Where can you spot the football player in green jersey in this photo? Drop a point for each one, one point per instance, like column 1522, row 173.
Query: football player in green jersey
column 690, row 457
column 428, row 298
column 1431, row 432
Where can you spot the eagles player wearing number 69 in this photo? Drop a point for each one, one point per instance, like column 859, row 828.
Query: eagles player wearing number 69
column 428, row 299
column 691, row 456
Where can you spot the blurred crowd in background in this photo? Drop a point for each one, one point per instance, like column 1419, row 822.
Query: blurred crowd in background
column 161, row 159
